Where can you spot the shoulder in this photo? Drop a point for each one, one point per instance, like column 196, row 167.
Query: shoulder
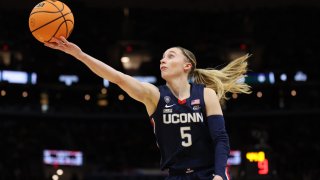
column 153, row 91
column 150, row 86
column 152, row 97
column 210, row 96
column 210, row 93
column 211, row 102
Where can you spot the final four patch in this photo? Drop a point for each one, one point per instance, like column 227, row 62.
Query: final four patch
column 167, row 99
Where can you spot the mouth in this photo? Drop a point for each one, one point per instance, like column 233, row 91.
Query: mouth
column 163, row 68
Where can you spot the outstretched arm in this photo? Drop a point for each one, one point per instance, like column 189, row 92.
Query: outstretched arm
column 143, row 92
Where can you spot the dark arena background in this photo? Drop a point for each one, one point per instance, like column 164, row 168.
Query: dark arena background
column 60, row 121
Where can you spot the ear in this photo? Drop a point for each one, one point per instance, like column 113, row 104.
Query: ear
column 187, row 66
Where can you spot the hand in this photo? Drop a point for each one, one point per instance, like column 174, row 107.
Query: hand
column 64, row 45
column 217, row 177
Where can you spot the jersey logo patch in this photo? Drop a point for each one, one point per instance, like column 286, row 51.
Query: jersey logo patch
column 195, row 102
column 167, row 110
column 167, row 99
column 169, row 106
column 196, row 107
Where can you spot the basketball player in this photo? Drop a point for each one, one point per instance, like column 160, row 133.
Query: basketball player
column 187, row 117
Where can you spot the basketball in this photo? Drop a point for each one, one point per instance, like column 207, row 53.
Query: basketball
column 50, row 19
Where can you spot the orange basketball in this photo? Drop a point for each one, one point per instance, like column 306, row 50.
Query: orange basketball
column 50, row 19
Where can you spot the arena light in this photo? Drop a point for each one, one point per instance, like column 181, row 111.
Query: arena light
column 103, row 102
column 241, row 80
column 55, row 177
column 68, row 79
column 261, row 78
column 125, row 60
column 60, row 172
column 234, row 95
column 271, row 78
column 234, row 158
column 133, row 53
column 133, row 60
column 300, row 76
column 3, row 93
column 121, row 97
column 63, row 157
column 259, row 94
column 87, row 97
column 44, row 101
column 104, row 91
column 18, row 77
column 25, row 94
column 283, row 77
column 106, row 83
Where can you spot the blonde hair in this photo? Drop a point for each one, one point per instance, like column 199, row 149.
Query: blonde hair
column 227, row 79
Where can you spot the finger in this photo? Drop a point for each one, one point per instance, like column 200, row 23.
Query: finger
column 49, row 45
column 52, row 45
column 58, row 41
column 64, row 40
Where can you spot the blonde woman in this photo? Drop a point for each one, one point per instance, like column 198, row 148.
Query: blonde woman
column 187, row 118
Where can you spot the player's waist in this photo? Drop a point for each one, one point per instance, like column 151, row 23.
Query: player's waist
column 177, row 172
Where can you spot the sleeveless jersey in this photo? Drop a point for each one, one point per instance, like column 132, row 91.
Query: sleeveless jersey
column 181, row 130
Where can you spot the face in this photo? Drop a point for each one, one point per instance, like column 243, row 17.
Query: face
column 174, row 64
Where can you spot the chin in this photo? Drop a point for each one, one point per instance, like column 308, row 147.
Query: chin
column 164, row 76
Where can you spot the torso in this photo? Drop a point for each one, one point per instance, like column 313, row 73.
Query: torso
column 181, row 129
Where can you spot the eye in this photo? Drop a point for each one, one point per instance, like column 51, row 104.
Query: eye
column 170, row 56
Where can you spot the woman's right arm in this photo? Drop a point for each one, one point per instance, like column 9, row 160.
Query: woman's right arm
column 143, row 92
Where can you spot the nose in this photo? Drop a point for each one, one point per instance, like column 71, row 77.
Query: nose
column 162, row 61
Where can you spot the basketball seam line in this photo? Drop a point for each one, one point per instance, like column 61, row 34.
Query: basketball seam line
column 57, row 6
column 43, row 12
column 50, row 22
column 65, row 23
column 58, row 30
column 61, row 14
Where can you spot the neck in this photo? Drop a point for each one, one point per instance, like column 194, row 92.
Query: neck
column 180, row 88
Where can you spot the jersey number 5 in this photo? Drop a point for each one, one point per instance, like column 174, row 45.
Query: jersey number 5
column 186, row 136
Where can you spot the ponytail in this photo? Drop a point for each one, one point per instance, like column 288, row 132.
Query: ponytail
column 228, row 79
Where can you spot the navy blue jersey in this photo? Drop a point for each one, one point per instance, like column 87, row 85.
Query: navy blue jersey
column 181, row 130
